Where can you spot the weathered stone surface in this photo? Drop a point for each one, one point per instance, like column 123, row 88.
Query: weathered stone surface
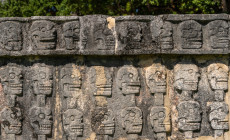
column 115, row 78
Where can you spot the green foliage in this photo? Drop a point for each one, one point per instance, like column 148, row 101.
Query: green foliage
column 27, row 8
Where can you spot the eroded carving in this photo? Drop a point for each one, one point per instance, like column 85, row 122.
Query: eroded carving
column 128, row 80
column 156, row 78
column 186, row 78
column 218, row 115
column 189, row 117
column 71, row 81
column 100, row 81
column 166, row 40
column 103, row 36
column 41, row 120
column 11, row 36
column 160, row 121
column 190, row 35
column 43, row 35
column 218, row 34
column 11, row 120
column 73, row 123
column 11, row 80
column 132, row 120
column 103, row 123
column 71, row 34
column 130, row 34
column 42, row 79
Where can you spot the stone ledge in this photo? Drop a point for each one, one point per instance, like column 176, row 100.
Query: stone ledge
column 121, row 35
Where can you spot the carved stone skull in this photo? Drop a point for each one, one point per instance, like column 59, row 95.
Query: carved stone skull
column 100, row 81
column 132, row 120
column 11, row 36
column 42, row 78
column 186, row 77
column 218, row 76
column 11, row 120
column 70, row 81
column 41, row 120
column 43, row 35
column 71, row 33
column 160, row 119
column 11, row 79
column 218, row 33
column 219, row 116
column 189, row 115
column 108, row 124
column 128, row 80
column 166, row 36
column 72, row 121
column 156, row 78
column 190, row 34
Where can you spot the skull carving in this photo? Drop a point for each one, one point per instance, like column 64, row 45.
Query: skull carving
column 218, row 32
column 219, row 116
column 131, row 34
column 11, row 120
column 190, row 34
column 41, row 120
column 189, row 115
column 43, row 35
column 72, row 121
column 71, row 33
column 160, row 119
column 42, row 79
column 218, row 76
column 108, row 124
column 100, row 81
column 166, row 36
column 128, row 80
column 70, row 81
column 156, row 78
column 186, row 77
column 132, row 120
column 11, row 36
column 11, row 79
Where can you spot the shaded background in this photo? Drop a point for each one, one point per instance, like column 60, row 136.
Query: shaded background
column 27, row 8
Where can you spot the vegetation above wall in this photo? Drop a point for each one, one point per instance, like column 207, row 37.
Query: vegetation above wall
column 27, row 8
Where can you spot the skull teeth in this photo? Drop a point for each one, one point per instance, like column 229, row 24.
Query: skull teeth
column 45, row 127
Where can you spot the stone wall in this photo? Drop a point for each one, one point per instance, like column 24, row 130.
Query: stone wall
column 115, row 78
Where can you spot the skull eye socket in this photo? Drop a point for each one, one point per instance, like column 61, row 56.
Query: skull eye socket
column 42, row 75
column 190, row 71
column 12, row 115
column 41, row 116
column 12, row 75
column 161, row 114
column 130, row 75
column 72, row 118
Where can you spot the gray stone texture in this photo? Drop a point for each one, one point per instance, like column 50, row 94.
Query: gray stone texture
column 98, row 77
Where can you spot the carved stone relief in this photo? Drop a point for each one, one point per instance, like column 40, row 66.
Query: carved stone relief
column 166, row 40
column 190, row 35
column 218, row 34
column 189, row 111
column 43, row 35
column 70, row 85
column 100, row 81
column 218, row 115
column 71, row 34
column 132, row 120
column 11, row 36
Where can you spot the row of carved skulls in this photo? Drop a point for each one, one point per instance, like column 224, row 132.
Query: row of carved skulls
column 44, row 35
column 186, row 78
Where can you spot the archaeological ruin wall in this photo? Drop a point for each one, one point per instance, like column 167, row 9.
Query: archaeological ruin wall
column 98, row 77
